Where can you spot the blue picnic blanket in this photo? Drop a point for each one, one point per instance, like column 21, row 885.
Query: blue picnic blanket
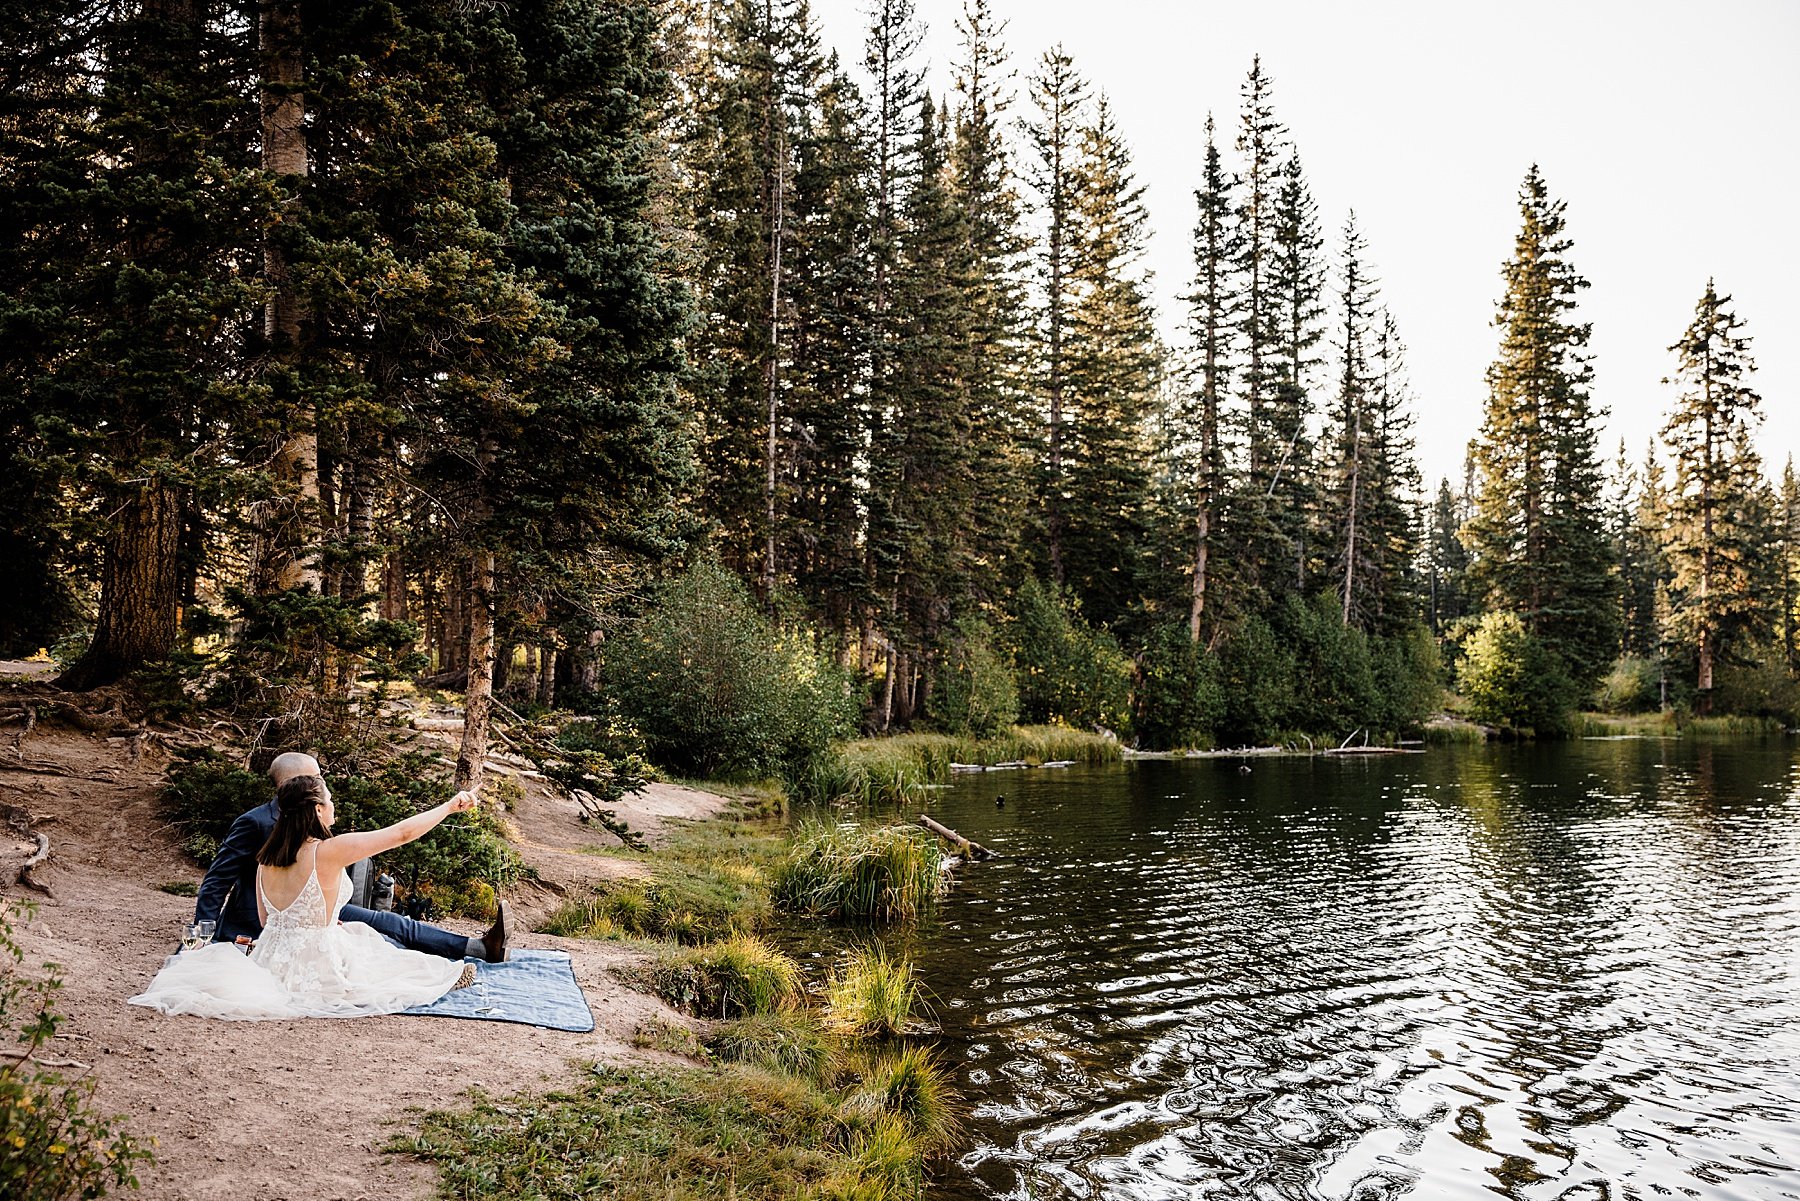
column 534, row 987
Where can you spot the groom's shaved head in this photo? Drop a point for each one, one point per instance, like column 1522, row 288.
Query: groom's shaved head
column 290, row 766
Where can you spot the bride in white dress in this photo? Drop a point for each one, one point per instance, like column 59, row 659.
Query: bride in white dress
column 307, row 963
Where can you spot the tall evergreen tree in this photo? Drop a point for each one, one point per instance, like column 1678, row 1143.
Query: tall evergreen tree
column 1212, row 312
column 1296, row 290
column 1446, row 563
column 1114, row 361
column 1060, row 94
column 1356, row 555
column 1538, row 533
column 1714, row 506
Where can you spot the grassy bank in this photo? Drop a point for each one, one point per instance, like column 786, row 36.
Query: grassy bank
column 799, row 1092
column 1670, row 724
column 899, row 768
column 658, row 1135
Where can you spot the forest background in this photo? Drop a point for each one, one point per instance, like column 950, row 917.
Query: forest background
column 646, row 359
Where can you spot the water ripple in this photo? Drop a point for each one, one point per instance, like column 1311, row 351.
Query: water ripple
column 1530, row 972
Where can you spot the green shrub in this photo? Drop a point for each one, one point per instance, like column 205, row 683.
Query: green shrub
column 788, row 1040
column 1407, row 667
column 1512, row 680
column 909, row 1086
column 736, row 976
column 1633, row 685
column 857, row 873
column 1178, row 703
column 718, row 689
column 1758, row 686
column 1334, row 677
column 458, row 864
column 204, row 794
column 1256, row 674
column 972, row 690
column 53, row 1145
column 871, row 995
column 1066, row 670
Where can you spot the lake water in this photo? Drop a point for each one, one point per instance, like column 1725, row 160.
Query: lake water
column 1558, row 971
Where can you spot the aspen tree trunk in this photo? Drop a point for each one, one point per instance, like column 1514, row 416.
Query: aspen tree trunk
column 777, row 235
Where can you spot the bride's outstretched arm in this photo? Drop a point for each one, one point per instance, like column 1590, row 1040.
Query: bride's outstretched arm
column 341, row 850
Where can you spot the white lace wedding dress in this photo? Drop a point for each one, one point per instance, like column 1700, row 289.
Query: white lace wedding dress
column 306, row 964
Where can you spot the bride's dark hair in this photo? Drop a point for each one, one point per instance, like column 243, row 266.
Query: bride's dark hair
column 296, row 820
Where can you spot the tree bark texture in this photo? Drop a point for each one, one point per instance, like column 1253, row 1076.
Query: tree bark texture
column 140, row 589
column 479, row 699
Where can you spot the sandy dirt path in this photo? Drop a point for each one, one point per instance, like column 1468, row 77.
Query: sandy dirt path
column 278, row 1110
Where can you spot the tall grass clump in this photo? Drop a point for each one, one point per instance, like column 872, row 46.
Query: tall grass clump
column 787, row 1040
column 898, row 769
column 731, row 978
column 910, row 1086
column 871, row 995
column 859, row 873
column 686, row 904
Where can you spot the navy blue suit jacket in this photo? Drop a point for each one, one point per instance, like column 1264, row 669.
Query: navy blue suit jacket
column 228, row 894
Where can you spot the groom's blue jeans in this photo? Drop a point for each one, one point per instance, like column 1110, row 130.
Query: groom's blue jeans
column 406, row 932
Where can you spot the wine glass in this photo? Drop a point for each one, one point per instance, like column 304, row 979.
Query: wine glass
column 198, row 935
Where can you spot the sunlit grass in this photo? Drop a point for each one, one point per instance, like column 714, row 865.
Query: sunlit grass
column 1670, row 723
column 859, row 873
column 787, row 1040
column 730, row 978
column 871, row 994
column 667, row 1135
column 909, row 1085
column 899, row 768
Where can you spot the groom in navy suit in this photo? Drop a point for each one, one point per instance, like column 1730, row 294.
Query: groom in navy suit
column 228, row 894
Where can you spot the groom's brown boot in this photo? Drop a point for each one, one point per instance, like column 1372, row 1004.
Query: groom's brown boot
column 493, row 943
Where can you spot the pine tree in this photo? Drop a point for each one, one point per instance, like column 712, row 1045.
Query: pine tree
column 1060, row 94
column 1114, row 361
column 1212, row 313
column 1446, row 563
column 923, row 483
column 829, row 345
column 1714, row 506
column 1356, row 555
column 1392, row 516
column 1296, row 288
column 1787, row 525
column 981, row 170
column 130, row 198
column 1538, row 532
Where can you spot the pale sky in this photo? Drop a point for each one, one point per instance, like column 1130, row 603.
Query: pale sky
column 1670, row 128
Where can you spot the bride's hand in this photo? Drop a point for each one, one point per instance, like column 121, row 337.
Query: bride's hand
column 462, row 802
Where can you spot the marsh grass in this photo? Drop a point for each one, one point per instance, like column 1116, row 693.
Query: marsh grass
column 898, row 769
column 1454, row 733
column 1670, row 723
column 666, row 1135
column 911, row 1087
column 730, row 978
column 788, row 1040
column 860, row 873
column 871, row 994
column 683, row 903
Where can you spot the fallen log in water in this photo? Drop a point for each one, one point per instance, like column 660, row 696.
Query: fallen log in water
column 973, row 850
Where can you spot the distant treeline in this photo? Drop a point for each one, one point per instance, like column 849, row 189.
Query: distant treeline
column 424, row 339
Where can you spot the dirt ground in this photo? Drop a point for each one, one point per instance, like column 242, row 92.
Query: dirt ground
column 283, row 1111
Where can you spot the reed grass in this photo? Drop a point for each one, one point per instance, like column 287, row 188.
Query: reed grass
column 871, row 994
column 859, row 873
column 730, row 978
column 910, row 1086
column 688, row 904
column 787, row 1041
column 899, row 768
column 1454, row 733
column 1670, row 723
